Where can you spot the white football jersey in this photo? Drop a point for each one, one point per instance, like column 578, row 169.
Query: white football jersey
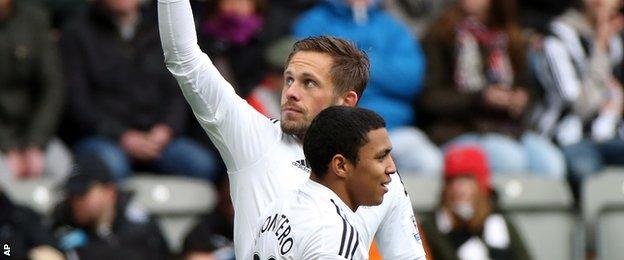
column 309, row 223
column 263, row 163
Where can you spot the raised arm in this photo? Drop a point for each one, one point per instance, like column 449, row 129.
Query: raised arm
column 239, row 132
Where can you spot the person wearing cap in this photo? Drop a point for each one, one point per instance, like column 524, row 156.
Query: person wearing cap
column 96, row 220
column 467, row 224
column 23, row 234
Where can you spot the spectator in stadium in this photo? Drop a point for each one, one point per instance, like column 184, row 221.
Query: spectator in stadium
column 579, row 66
column 24, row 233
column 397, row 69
column 231, row 35
column 97, row 221
column 467, row 223
column 31, row 94
column 123, row 105
column 477, row 89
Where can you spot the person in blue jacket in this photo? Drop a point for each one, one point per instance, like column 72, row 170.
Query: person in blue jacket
column 397, row 71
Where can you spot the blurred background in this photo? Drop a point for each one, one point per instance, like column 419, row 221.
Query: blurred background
column 506, row 120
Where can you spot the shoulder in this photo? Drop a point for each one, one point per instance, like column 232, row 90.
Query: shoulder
column 77, row 25
column 33, row 13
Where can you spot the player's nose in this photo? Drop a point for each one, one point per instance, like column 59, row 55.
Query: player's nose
column 293, row 92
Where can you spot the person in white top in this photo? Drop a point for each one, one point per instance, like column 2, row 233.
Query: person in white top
column 264, row 157
column 348, row 150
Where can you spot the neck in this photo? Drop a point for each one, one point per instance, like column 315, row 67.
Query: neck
column 338, row 188
column 126, row 18
column 590, row 17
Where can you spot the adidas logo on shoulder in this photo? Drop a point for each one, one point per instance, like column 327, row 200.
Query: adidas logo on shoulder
column 303, row 165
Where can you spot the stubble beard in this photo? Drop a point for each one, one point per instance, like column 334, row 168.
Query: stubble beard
column 298, row 129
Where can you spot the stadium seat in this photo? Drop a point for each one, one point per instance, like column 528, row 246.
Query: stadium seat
column 541, row 209
column 610, row 234
column 40, row 194
column 175, row 201
column 603, row 210
column 424, row 192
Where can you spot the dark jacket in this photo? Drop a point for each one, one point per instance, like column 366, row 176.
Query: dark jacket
column 134, row 234
column 116, row 85
column 444, row 245
column 22, row 229
column 449, row 112
column 31, row 89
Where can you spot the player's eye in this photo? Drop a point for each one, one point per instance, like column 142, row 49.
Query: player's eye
column 310, row 83
column 289, row 81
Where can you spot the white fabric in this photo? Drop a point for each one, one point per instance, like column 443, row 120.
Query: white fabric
column 263, row 163
column 310, row 223
column 495, row 232
column 473, row 249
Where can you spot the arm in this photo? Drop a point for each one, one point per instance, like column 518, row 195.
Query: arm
column 398, row 237
column 583, row 91
column 239, row 132
column 175, row 112
column 48, row 108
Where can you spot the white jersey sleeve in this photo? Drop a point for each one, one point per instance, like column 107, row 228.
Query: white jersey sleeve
column 398, row 237
column 240, row 133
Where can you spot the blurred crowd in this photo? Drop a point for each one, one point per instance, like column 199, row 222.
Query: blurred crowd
column 531, row 88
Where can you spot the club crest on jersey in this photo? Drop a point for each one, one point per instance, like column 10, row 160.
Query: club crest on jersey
column 303, row 165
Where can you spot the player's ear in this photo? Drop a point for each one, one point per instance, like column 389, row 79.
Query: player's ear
column 340, row 166
column 350, row 99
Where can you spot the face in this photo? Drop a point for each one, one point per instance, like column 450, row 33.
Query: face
column 475, row 7
column 5, row 4
column 122, row 6
column 370, row 177
column 88, row 207
column 462, row 190
column 238, row 7
column 608, row 7
column 201, row 256
column 307, row 90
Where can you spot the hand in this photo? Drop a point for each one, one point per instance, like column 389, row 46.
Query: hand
column 160, row 135
column 518, row 102
column 497, row 97
column 14, row 160
column 35, row 161
column 137, row 144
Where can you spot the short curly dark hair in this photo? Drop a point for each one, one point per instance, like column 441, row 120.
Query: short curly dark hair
column 338, row 130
